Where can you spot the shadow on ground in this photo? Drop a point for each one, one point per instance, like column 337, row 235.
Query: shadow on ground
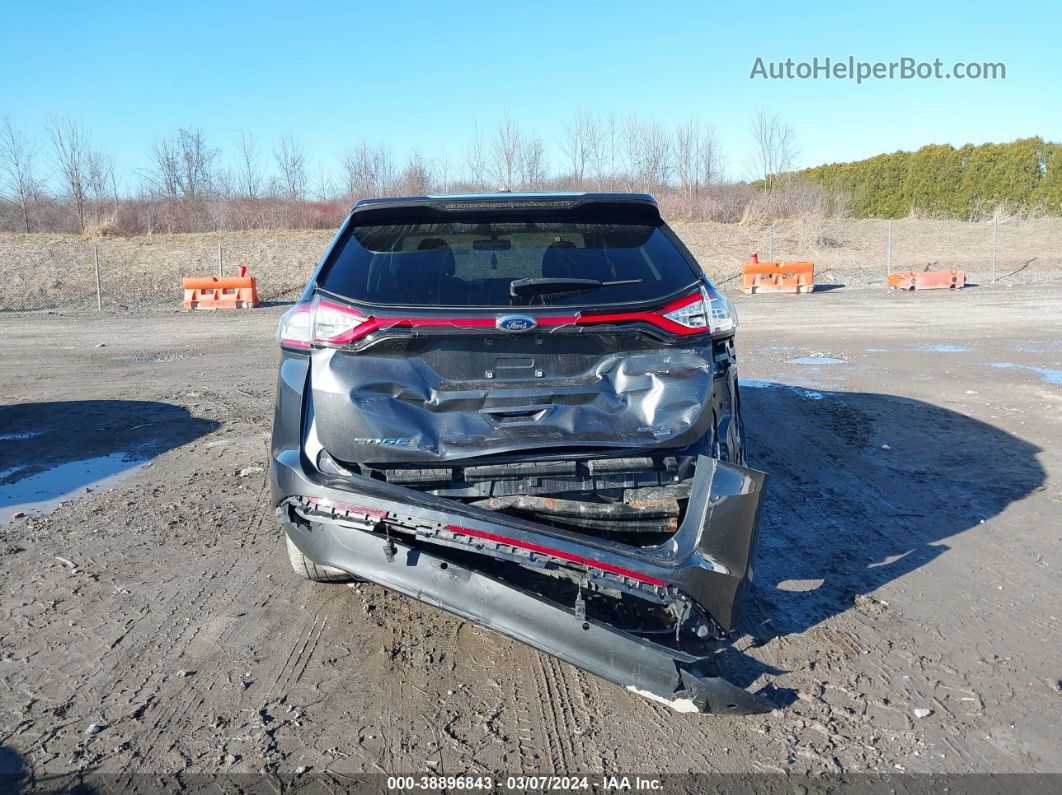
column 14, row 773
column 16, row 776
column 844, row 515
column 49, row 450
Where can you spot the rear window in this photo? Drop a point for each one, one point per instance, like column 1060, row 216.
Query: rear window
column 474, row 264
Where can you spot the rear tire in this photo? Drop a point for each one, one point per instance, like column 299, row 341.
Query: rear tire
column 305, row 567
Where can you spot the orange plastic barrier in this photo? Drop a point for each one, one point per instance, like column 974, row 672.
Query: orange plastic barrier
column 929, row 280
column 777, row 277
column 228, row 292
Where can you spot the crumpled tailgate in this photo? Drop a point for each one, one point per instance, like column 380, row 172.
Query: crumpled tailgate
column 447, row 396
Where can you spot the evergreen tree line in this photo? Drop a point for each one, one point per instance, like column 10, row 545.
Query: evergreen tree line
column 969, row 182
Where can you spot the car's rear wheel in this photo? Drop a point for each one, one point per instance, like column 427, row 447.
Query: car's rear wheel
column 305, row 567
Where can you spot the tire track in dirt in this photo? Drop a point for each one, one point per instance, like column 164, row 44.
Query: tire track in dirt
column 548, row 722
column 300, row 650
column 186, row 697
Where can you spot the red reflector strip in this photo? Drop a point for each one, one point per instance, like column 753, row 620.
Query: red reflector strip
column 349, row 507
column 596, row 564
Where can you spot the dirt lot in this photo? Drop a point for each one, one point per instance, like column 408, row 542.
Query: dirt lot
column 910, row 557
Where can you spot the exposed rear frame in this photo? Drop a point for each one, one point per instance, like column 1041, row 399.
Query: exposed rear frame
column 419, row 544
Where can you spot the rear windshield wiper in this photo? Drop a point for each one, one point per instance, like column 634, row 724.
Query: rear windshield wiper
column 524, row 287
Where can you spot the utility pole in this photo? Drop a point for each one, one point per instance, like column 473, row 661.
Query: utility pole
column 995, row 245
column 99, row 294
column 888, row 253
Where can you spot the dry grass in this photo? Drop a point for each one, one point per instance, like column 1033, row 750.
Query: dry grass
column 853, row 252
column 46, row 271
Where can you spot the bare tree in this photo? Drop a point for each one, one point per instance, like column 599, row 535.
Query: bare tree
column 648, row 153
column 16, row 167
column 686, row 137
column 183, row 166
column 197, row 164
column 696, row 157
column 291, row 163
column 709, row 158
column 442, row 171
column 505, row 148
column 476, row 157
column 416, row 176
column 183, row 173
column 386, row 170
column 101, row 182
column 224, row 184
column 326, row 186
column 610, row 152
column 353, row 171
column 70, row 151
column 532, row 162
column 249, row 171
column 362, row 178
column 165, row 173
column 370, row 171
column 581, row 145
column 775, row 147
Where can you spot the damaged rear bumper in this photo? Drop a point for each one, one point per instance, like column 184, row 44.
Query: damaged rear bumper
column 443, row 553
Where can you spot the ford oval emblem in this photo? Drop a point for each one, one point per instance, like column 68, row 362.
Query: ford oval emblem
column 516, row 323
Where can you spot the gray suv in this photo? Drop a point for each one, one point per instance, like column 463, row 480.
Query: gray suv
column 524, row 410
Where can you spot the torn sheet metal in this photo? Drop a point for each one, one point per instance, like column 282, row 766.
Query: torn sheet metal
column 707, row 563
column 680, row 680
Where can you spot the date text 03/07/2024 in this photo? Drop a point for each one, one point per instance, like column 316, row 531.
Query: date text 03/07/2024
column 524, row 783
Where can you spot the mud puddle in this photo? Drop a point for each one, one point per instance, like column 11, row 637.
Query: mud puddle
column 43, row 492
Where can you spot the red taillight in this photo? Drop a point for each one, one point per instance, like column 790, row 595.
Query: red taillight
column 689, row 312
column 322, row 323
column 335, row 324
column 706, row 310
column 683, row 316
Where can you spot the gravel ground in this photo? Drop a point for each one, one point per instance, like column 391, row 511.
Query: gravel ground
column 905, row 612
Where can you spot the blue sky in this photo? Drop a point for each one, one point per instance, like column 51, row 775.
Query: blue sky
column 418, row 74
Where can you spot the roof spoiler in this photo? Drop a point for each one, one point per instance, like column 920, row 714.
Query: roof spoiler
column 621, row 207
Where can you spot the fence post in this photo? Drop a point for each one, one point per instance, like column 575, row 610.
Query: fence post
column 995, row 242
column 99, row 294
column 770, row 244
column 888, row 253
column 221, row 261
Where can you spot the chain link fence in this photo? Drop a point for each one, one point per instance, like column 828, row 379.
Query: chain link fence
column 860, row 253
column 60, row 273
column 71, row 275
